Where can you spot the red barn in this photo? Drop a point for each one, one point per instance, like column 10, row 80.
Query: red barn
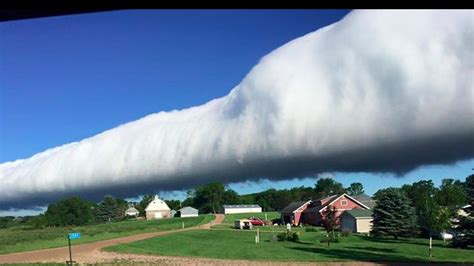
column 314, row 213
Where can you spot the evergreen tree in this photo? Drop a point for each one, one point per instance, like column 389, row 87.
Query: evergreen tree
column 393, row 215
column 110, row 209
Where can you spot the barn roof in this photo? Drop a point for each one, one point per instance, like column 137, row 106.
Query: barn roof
column 240, row 206
column 157, row 205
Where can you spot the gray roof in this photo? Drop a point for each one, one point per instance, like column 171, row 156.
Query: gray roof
column 293, row 206
column 360, row 213
column 366, row 200
column 240, row 206
column 131, row 209
column 315, row 209
column 188, row 210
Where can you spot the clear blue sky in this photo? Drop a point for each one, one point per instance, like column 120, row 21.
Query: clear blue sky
column 66, row 78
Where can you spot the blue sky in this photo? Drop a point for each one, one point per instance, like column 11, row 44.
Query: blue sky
column 70, row 77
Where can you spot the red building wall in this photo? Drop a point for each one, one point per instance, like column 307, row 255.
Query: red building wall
column 339, row 207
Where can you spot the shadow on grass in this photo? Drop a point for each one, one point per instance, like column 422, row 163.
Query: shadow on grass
column 402, row 241
column 374, row 249
column 357, row 255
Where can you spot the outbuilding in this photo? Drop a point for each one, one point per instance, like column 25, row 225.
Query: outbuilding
column 157, row 209
column 131, row 212
column 228, row 209
column 188, row 212
column 357, row 220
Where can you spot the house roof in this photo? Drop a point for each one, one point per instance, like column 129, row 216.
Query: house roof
column 294, row 206
column 131, row 209
column 360, row 213
column 366, row 200
column 240, row 206
column 347, row 196
column 157, row 205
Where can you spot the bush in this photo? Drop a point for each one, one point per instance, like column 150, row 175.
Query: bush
column 294, row 236
column 346, row 232
column 282, row 237
column 289, row 236
column 311, row 229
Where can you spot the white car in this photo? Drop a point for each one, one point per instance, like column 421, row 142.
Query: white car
column 446, row 236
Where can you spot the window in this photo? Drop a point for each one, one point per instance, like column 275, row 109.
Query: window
column 343, row 202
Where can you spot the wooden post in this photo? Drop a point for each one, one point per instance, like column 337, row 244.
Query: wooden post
column 70, row 253
column 258, row 236
column 183, row 224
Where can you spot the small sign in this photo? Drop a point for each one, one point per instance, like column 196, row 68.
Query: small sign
column 74, row 235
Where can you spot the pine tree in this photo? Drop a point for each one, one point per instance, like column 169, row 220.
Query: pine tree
column 393, row 215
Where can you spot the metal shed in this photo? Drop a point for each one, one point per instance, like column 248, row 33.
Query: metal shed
column 188, row 212
column 226, row 209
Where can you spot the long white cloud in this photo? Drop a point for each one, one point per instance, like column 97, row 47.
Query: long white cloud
column 376, row 91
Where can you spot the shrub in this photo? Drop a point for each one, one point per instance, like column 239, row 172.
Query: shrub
column 294, row 236
column 282, row 237
column 346, row 232
column 311, row 229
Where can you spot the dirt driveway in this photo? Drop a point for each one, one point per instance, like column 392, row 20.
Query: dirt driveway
column 90, row 252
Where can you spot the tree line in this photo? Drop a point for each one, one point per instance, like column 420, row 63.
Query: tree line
column 421, row 209
column 414, row 209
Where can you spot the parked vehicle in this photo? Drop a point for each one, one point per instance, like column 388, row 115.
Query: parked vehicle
column 256, row 221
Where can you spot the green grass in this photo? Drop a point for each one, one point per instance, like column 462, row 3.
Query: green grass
column 230, row 218
column 233, row 244
column 17, row 239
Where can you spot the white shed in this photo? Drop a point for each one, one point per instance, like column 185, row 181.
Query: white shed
column 157, row 209
column 188, row 212
column 131, row 212
column 228, row 209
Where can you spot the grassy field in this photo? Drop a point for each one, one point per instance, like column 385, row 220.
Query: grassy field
column 19, row 239
column 236, row 244
column 230, row 218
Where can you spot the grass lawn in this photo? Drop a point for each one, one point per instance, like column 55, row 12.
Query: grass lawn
column 228, row 244
column 230, row 218
column 17, row 239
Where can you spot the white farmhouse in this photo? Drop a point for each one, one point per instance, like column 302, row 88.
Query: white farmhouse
column 157, row 209
column 227, row 209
